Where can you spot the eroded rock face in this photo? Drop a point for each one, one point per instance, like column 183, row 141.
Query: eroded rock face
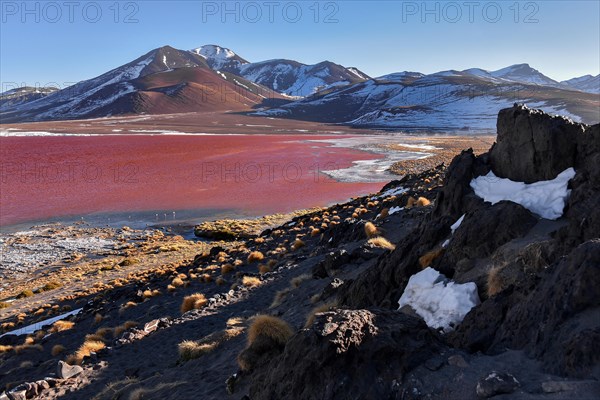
column 557, row 322
column 533, row 146
column 486, row 229
column 344, row 353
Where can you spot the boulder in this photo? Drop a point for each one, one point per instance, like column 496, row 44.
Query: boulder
column 534, row 146
column 66, row 371
column 496, row 383
column 344, row 353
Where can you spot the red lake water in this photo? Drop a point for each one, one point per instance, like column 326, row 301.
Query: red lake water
column 46, row 177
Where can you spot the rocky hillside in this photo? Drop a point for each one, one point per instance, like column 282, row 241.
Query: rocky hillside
column 497, row 301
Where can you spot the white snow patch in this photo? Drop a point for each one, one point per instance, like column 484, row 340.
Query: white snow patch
column 440, row 302
column 456, row 225
column 392, row 192
column 394, row 210
column 29, row 329
column 545, row 198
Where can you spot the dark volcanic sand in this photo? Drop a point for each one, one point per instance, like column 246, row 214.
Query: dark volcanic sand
column 48, row 177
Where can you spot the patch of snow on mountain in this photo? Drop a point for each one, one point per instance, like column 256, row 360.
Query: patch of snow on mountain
column 545, row 198
column 442, row 303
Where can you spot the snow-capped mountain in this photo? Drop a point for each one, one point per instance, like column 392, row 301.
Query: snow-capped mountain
column 220, row 58
column 214, row 78
column 288, row 77
column 24, row 94
column 164, row 80
column 586, row 83
column 523, row 73
column 448, row 100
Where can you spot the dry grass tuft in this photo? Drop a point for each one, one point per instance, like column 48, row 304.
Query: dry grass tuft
column 279, row 296
column 220, row 281
column 177, row 282
column 193, row 302
column 98, row 318
column 227, row 268
column 272, row 327
column 118, row 331
column 143, row 393
column 429, row 257
column 410, row 202
column 255, row 256
column 310, row 319
column 371, row 230
column 58, row 349
column 103, row 332
column 385, row 212
column 24, row 347
column 189, row 349
column 297, row 244
column 250, row 281
column 297, row 281
column 126, row 306
column 62, row 325
column 422, row 202
column 5, row 349
column 263, row 269
column 314, row 232
column 495, row 282
column 382, row 243
column 88, row 347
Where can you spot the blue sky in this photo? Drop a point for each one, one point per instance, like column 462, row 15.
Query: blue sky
column 51, row 42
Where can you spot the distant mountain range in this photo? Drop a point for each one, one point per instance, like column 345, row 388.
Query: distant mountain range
column 214, row 78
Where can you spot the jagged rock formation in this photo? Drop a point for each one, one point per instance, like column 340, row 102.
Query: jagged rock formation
column 544, row 298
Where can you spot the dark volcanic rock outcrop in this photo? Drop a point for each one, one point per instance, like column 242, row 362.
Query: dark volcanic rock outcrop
column 347, row 354
column 533, row 146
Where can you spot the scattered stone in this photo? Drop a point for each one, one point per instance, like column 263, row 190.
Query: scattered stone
column 151, row 326
column 17, row 394
column 497, row 383
column 458, row 361
column 66, row 371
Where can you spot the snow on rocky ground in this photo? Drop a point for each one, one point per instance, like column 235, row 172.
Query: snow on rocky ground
column 545, row 198
column 29, row 329
column 440, row 302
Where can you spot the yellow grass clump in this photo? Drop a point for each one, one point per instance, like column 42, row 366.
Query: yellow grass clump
column 5, row 349
column 62, row 325
column 255, row 256
column 385, row 212
column 190, row 349
column 371, row 230
column 422, row 202
column 382, row 243
column 88, row 347
column 177, row 282
column 193, row 302
column 58, row 349
column 298, row 243
column 263, row 269
column 429, row 257
column 410, row 202
column 269, row 326
column 227, row 268
column 495, row 282
column 250, row 281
